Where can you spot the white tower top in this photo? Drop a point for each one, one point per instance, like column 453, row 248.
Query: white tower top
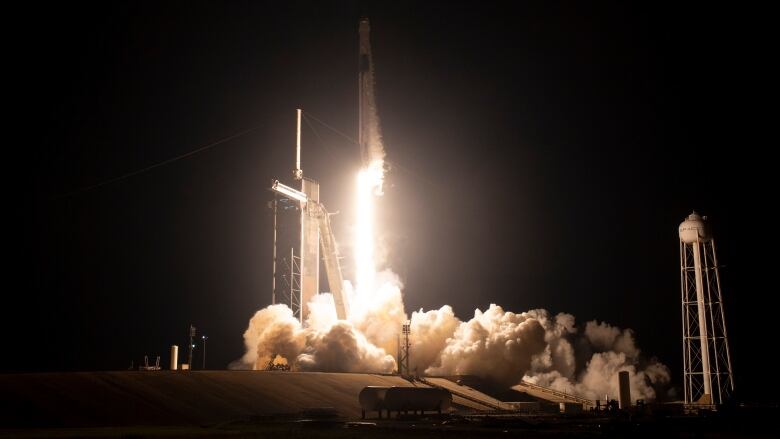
column 694, row 229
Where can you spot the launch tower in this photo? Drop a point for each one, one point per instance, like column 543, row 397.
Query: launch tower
column 315, row 231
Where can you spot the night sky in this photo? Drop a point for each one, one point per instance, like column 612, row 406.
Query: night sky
column 542, row 156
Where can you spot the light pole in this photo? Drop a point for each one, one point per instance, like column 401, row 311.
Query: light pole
column 204, row 338
column 192, row 345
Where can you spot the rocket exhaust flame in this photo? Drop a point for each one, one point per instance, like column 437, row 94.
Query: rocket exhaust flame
column 369, row 186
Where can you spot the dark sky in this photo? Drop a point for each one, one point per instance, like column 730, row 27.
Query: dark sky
column 543, row 157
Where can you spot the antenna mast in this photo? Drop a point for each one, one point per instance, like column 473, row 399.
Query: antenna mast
column 298, row 172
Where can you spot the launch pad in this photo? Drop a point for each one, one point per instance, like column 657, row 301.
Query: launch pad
column 308, row 404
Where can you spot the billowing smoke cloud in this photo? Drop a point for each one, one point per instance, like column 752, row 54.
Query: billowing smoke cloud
column 272, row 331
column 497, row 345
column 586, row 363
column 336, row 346
column 431, row 332
column 342, row 349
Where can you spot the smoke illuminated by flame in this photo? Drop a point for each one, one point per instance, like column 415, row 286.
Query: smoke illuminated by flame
column 498, row 345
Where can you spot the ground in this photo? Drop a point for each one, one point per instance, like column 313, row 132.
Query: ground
column 239, row 404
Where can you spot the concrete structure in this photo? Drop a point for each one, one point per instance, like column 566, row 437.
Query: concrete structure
column 466, row 395
column 550, row 399
column 707, row 374
column 471, row 391
column 624, row 390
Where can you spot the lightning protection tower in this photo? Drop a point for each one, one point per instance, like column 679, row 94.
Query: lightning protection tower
column 403, row 349
column 707, row 374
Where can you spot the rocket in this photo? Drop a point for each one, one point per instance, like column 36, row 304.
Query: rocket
column 366, row 105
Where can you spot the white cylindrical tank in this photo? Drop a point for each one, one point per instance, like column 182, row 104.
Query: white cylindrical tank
column 174, row 357
column 693, row 229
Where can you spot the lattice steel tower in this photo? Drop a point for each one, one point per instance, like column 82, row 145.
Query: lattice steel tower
column 707, row 374
column 403, row 349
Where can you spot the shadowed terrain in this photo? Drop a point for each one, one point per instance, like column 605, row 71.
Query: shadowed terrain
column 175, row 398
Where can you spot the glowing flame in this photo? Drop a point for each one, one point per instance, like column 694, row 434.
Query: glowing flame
column 369, row 186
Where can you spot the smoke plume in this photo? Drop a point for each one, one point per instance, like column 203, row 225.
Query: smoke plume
column 494, row 344
column 497, row 345
column 587, row 362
